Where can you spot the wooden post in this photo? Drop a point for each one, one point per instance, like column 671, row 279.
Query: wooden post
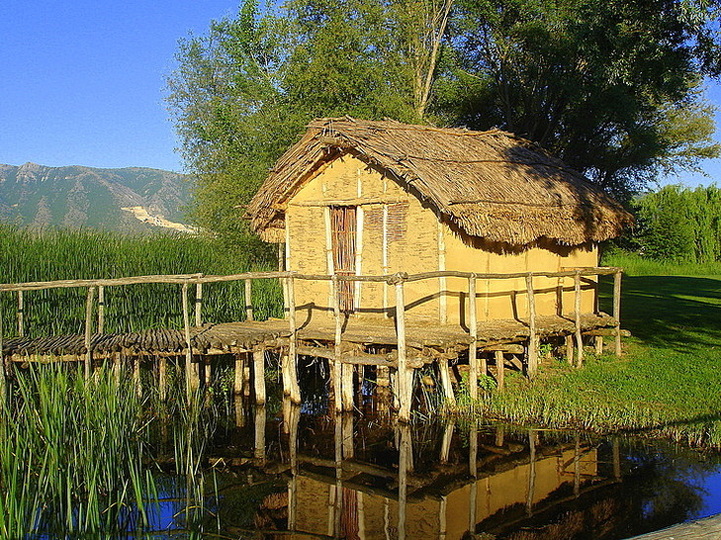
column 446, row 442
column 446, row 382
column 191, row 378
column 472, row 348
column 21, row 314
column 163, row 377
column 137, row 382
column 248, row 300
column 198, row 304
column 336, row 367
column 404, row 392
column 290, row 372
column 500, row 369
column 617, row 309
column 533, row 338
column 117, row 357
column 598, row 345
column 101, row 309
column 239, row 375
column 259, row 376
column 89, row 331
column 569, row 349
column 577, row 311
column 405, row 457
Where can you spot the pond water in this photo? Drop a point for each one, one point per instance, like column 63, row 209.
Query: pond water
column 281, row 472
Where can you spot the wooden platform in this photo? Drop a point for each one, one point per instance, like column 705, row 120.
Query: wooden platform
column 247, row 336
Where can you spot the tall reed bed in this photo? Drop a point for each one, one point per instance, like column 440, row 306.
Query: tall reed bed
column 85, row 254
column 71, row 456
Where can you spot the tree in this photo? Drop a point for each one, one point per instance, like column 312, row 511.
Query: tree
column 610, row 87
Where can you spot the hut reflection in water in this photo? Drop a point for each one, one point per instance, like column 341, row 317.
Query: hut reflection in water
column 459, row 478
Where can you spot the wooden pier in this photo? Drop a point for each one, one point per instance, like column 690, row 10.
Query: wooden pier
column 394, row 347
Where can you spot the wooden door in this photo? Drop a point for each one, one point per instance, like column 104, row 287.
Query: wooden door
column 343, row 234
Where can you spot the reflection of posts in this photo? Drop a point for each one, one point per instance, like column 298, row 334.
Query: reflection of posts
column 259, row 453
column 446, row 442
column 338, row 498
column 292, row 418
column 473, row 471
column 405, row 463
column 532, row 434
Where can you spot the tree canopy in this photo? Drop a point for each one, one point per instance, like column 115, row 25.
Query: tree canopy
column 613, row 88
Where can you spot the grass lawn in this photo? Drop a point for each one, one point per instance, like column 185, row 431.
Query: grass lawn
column 668, row 382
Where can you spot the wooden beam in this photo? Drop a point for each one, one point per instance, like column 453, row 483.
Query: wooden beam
column 89, row 331
column 533, row 337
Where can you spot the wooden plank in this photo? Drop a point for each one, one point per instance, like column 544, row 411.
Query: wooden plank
column 89, row 330
column 533, row 336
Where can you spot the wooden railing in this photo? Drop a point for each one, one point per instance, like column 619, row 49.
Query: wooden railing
column 397, row 280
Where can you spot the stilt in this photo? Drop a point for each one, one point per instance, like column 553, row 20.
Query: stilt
column 89, row 331
column 162, row 378
column 336, row 368
column 191, row 370
column 446, row 382
column 259, row 451
column 579, row 336
column 500, row 369
column 259, row 376
column 500, row 436
column 569, row 348
column 347, row 432
column 404, row 378
column 446, row 443
column 347, row 386
column 533, row 337
column 290, row 363
column 3, row 374
column 117, row 359
column 599, row 345
column 207, row 373
column 239, row 379
column 239, row 409
column 137, row 382
column 617, row 309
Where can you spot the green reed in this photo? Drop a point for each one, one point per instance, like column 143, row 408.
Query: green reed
column 85, row 254
column 71, row 455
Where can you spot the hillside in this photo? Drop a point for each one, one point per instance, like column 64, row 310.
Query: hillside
column 131, row 199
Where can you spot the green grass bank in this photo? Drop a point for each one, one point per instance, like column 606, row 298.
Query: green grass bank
column 668, row 383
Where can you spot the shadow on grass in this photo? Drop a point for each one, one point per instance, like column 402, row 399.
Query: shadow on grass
column 677, row 312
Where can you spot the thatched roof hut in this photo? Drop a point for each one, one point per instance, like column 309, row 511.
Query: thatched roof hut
column 490, row 184
column 358, row 197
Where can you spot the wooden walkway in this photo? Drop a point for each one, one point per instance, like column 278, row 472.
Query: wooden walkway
column 395, row 346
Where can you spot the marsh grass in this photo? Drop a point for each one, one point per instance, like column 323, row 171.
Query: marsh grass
column 84, row 254
column 667, row 384
column 71, row 458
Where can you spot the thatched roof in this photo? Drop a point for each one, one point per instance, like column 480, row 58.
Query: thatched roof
column 490, row 184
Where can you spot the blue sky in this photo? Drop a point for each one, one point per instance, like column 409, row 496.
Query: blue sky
column 81, row 82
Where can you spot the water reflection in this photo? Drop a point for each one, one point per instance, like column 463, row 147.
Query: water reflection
column 287, row 474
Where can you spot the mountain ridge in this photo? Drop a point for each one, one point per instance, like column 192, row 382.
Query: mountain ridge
column 128, row 199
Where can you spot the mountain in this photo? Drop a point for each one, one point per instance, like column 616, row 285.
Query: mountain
column 131, row 199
